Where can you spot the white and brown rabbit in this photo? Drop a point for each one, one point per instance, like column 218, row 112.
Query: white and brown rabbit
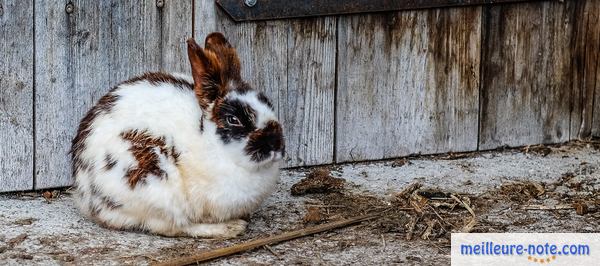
column 175, row 156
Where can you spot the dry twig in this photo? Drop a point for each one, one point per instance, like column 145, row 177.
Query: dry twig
column 411, row 227
column 272, row 251
column 543, row 207
column 222, row 252
column 469, row 226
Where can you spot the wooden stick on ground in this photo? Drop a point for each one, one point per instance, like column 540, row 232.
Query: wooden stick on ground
column 551, row 208
column 221, row 252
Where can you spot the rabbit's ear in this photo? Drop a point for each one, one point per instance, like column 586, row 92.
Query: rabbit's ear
column 207, row 72
column 230, row 62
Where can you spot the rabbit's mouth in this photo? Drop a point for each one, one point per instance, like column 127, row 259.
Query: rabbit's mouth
column 267, row 157
column 273, row 159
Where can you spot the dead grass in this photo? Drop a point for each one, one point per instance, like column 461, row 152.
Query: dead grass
column 433, row 214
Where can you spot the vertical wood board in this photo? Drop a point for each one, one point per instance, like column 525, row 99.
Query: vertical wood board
column 407, row 83
column 16, row 95
column 588, row 66
column 585, row 66
column 176, row 27
column 526, row 82
column 307, row 103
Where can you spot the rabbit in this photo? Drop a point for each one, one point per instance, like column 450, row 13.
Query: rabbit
column 175, row 155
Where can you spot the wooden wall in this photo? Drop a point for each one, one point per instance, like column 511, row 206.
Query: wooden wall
column 348, row 88
column 16, row 95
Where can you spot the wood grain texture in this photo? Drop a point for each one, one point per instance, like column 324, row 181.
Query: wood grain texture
column 80, row 56
column 292, row 61
column 407, row 83
column 526, row 87
column 176, row 27
column 16, row 95
column 596, row 114
column 587, row 70
column 586, row 76
column 308, row 100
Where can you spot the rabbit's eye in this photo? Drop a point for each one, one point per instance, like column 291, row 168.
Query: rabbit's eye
column 233, row 121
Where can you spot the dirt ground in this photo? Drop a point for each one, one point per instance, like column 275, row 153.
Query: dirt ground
column 421, row 200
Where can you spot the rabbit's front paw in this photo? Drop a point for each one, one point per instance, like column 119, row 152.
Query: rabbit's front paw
column 235, row 228
column 229, row 229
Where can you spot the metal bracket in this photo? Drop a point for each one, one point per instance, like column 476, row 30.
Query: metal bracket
column 247, row 10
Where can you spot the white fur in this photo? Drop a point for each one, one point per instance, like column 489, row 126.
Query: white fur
column 204, row 195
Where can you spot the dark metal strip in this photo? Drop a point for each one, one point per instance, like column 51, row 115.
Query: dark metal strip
column 247, row 10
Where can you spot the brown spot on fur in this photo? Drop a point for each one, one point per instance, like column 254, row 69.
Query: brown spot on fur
column 104, row 105
column 155, row 78
column 144, row 148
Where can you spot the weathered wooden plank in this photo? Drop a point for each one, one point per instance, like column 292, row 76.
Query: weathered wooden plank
column 585, row 67
column 16, row 95
column 176, row 19
column 596, row 115
column 407, row 83
column 82, row 54
column 274, row 56
column 309, row 97
column 526, row 83
column 586, row 71
column 57, row 100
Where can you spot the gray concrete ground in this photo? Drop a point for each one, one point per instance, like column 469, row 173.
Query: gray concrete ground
column 498, row 185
